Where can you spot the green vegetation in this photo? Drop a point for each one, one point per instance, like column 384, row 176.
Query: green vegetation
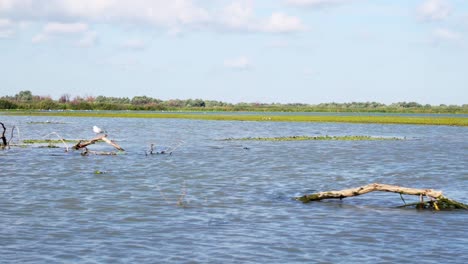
column 25, row 103
column 25, row 100
column 49, row 146
column 45, row 122
column 420, row 120
column 46, row 141
column 300, row 138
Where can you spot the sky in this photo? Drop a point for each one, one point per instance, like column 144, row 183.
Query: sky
column 268, row 51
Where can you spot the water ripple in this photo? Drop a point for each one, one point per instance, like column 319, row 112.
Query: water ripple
column 217, row 201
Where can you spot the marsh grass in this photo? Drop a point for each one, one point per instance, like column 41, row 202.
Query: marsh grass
column 303, row 138
column 51, row 143
column 413, row 120
column 47, row 141
column 45, row 122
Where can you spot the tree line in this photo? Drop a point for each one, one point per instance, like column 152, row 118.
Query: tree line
column 25, row 100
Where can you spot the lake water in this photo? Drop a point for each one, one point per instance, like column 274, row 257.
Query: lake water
column 215, row 201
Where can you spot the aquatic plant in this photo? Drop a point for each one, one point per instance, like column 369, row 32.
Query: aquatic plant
column 413, row 120
column 45, row 122
column 46, row 141
column 326, row 137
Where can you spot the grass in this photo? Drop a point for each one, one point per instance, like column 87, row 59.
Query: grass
column 413, row 120
column 300, row 138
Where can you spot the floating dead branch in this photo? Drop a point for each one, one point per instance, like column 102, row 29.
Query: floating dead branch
column 12, row 133
column 61, row 139
column 82, row 144
column 437, row 201
column 153, row 149
column 3, row 138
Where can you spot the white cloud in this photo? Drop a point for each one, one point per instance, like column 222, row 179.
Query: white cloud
column 278, row 44
column 6, row 28
column 5, row 23
column 174, row 16
column 309, row 72
column 54, row 29
column 240, row 63
column 240, row 16
column 446, row 34
column 39, row 38
column 315, row 3
column 281, row 23
column 89, row 39
column 134, row 44
column 434, row 9
column 64, row 28
column 154, row 12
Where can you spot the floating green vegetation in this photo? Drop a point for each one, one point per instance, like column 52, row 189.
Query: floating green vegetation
column 46, row 122
column 47, row 141
column 301, row 138
column 49, row 146
column 414, row 120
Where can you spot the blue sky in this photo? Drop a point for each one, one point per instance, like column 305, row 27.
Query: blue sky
column 286, row 51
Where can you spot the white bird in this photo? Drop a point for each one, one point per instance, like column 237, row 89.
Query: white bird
column 97, row 130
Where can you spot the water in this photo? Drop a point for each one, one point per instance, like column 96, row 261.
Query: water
column 215, row 201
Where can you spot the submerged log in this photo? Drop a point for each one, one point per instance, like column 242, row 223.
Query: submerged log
column 437, row 199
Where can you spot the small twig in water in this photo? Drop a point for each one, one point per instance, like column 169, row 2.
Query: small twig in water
column 63, row 141
column 403, row 199
column 162, row 194
column 181, row 202
column 11, row 137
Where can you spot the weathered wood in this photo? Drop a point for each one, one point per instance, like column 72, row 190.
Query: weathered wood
column 4, row 141
column 112, row 143
column 437, row 198
column 84, row 144
column 12, row 133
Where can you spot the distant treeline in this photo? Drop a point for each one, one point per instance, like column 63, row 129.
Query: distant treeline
column 25, row 100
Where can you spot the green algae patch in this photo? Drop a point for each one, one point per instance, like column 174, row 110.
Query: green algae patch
column 304, row 138
column 45, row 123
column 47, row 141
column 363, row 119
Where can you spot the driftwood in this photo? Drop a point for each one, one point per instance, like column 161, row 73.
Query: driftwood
column 84, row 144
column 437, row 199
column 4, row 141
column 12, row 133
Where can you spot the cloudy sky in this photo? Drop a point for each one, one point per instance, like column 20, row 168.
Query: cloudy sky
column 308, row 51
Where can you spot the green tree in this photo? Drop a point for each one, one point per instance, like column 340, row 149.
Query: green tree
column 24, row 96
column 6, row 104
